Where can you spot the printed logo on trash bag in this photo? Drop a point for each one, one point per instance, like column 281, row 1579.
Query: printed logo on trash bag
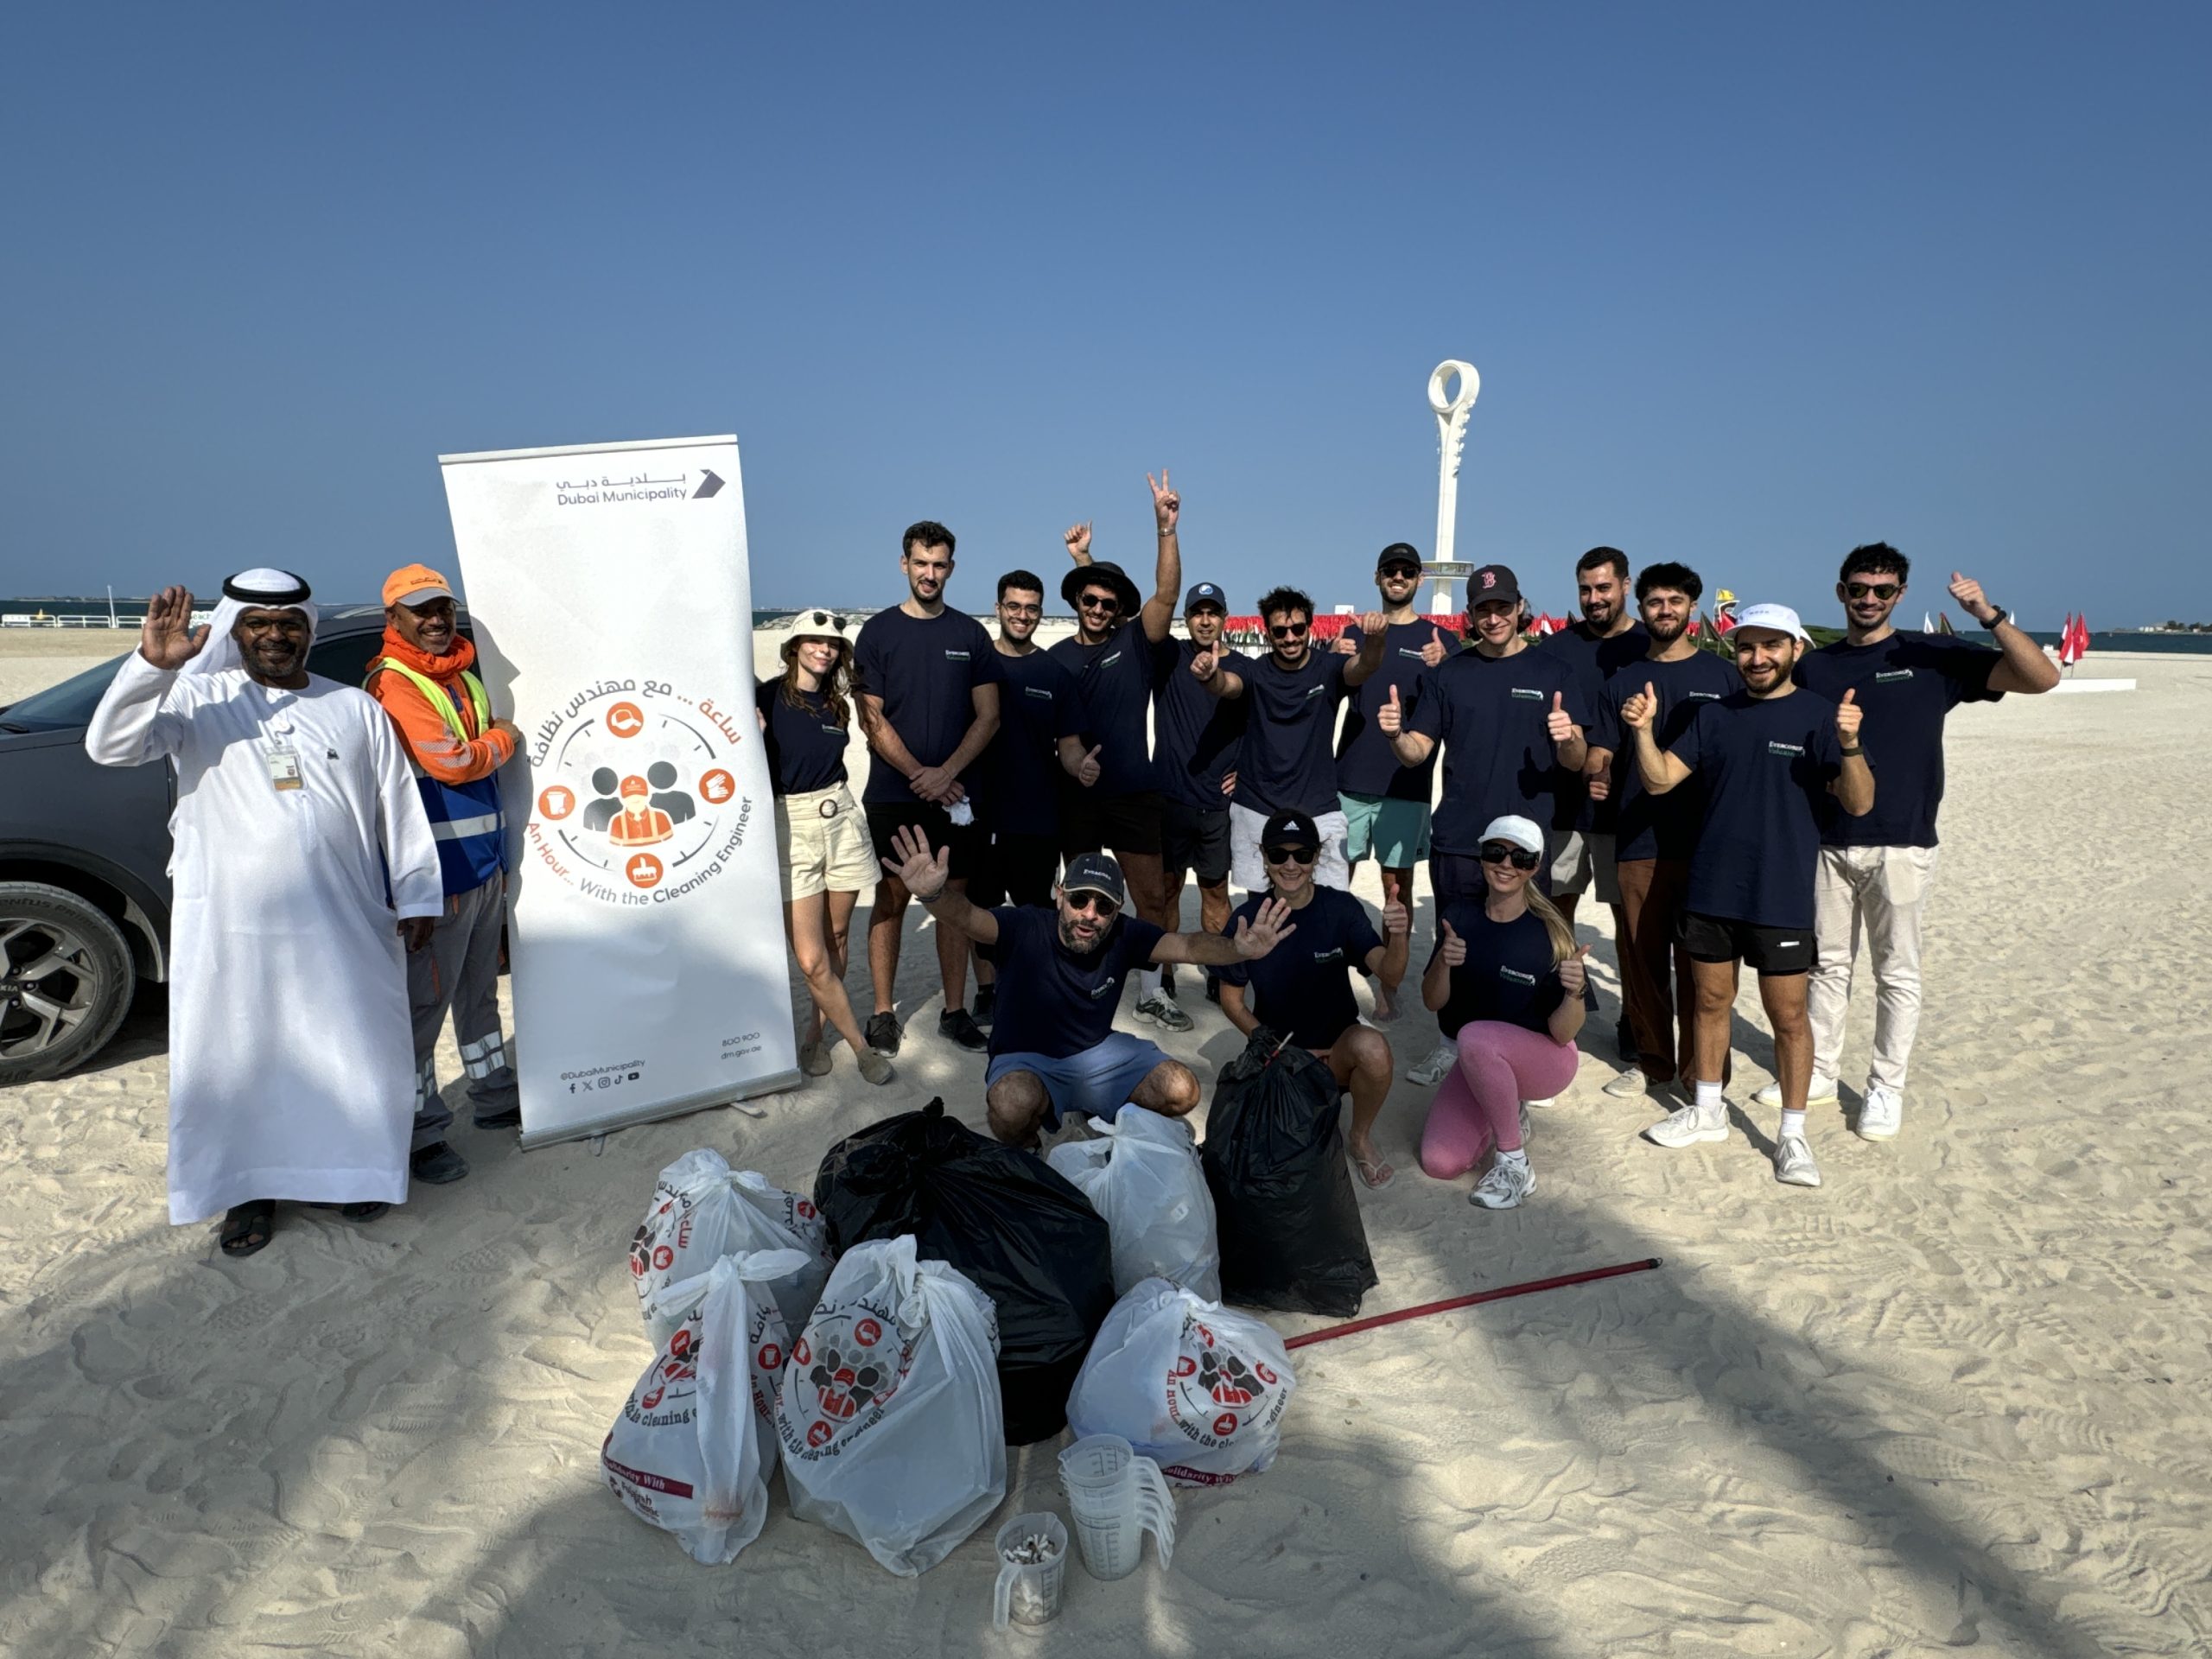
column 666, row 1394
column 844, row 1371
column 1207, row 1376
column 766, row 1339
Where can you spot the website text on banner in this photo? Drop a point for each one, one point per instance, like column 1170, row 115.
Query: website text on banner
column 611, row 600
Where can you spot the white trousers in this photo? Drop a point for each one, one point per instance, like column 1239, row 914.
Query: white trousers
column 1882, row 891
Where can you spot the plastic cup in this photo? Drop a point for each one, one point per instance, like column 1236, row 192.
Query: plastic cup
column 1116, row 1497
column 1029, row 1592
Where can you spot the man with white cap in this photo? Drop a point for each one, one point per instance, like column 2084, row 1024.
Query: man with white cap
column 1768, row 756
column 1877, row 872
column 303, row 859
column 424, row 675
column 1061, row 970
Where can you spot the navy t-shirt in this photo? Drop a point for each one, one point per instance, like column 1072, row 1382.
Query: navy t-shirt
column 1596, row 658
column 1052, row 1002
column 1287, row 765
column 1490, row 714
column 806, row 751
column 1197, row 737
column 1906, row 684
column 1038, row 705
column 1365, row 765
column 1765, row 764
column 926, row 670
column 1508, row 975
column 1116, row 679
column 1647, row 825
column 1302, row 988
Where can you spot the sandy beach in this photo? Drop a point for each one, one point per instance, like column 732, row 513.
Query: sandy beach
column 1952, row 1398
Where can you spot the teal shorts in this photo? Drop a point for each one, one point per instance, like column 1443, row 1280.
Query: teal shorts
column 1394, row 833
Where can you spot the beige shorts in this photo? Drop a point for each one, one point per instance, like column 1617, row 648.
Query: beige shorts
column 1582, row 860
column 822, row 844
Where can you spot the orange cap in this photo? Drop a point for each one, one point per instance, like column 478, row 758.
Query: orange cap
column 414, row 584
column 635, row 786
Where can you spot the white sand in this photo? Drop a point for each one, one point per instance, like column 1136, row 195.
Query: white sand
column 1955, row 1396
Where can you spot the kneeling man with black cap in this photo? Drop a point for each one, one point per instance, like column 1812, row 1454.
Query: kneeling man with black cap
column 1061, row 968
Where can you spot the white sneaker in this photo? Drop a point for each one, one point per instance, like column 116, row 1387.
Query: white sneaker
column 1510, row 1181
column 1631, row 1084
column 1688, row 1125
column 1821, row 1093
column 1524, row 1122
column 1882, row 1114
column 1793, row 1162
column 1542, row 1100
column 1162, row 1010
column 1437, row 1066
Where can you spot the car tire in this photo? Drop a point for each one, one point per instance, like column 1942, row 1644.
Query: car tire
column 66, row 981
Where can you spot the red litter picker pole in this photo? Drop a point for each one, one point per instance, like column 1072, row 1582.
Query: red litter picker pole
column 1354, row 1327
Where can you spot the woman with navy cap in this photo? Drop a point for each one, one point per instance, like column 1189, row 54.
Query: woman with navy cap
column 1506, row 979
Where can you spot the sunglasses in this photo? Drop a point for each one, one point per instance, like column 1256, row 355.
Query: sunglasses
column 1503, row 852
column 1872, row 589
column 1402, row 571
column 821, row 619
column 1105, row 602
column 1105, row 909
column 1291, row 855
column 1288, row 629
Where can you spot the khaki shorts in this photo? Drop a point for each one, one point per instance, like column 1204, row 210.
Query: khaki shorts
column 822, row 844
column 1582, row 860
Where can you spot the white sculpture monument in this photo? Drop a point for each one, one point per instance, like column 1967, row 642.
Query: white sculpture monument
column 1452, row 406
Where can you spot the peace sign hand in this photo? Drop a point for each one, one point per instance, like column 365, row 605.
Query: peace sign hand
column 1267, row 929
column 1573, row 976
column 169, row 640
column 1166, row 505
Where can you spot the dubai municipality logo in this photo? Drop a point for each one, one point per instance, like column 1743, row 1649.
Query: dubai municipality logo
column 638, row 801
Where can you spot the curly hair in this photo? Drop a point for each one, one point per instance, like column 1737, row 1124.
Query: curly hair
column 841, row 687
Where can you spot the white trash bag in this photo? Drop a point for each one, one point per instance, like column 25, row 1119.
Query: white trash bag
column 695, row 1442
column 890, row 1415
column 1197, row 1387
column 704, row 1211
column 1144, row 1177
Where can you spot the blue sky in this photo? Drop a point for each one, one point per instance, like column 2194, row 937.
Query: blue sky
column 1746, row 285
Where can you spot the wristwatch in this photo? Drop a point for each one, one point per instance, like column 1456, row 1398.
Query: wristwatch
column 2003, row 615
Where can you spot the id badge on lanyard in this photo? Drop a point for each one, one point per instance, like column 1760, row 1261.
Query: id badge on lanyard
column 283, row 763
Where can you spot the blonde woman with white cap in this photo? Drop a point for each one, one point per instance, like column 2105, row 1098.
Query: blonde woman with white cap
column 1507, row 981
column 1768, row 757
column 821, row 840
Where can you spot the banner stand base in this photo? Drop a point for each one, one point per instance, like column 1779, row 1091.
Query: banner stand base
column 774, row 1083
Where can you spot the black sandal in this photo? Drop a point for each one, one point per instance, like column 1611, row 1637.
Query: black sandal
column 248, row 1227
column 366, row 1210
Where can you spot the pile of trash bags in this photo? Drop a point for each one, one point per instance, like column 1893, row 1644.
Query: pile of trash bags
column 940, row 1296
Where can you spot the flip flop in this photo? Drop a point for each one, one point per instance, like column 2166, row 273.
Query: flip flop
column 248, row 1227
column 1367, row 1167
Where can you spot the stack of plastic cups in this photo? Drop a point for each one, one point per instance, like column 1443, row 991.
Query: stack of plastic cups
column 1116, row 1497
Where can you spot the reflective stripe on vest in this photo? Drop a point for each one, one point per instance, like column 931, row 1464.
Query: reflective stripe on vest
column 465, row 819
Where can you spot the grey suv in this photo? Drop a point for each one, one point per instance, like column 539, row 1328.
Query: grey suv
column 84, row 863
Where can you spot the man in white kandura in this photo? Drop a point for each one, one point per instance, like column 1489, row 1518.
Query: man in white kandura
column 302, row 858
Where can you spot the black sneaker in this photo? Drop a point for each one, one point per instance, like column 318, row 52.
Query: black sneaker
column 883, row 1034
column 1167, row 979
column 987, row 999
column 1625, row 1041
column 510, row 1119
column 960, row 1026
column 437, row 1163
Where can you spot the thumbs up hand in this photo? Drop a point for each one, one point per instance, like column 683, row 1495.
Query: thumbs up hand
column 1450, row 945
column 1638, row 711
column 1086, row 770
column 1573, row 976
column 1559, row 725
column 1848, row 714
column 1435, row 650
column 1390, row 718
column 1205, row 665
column 1396, row 921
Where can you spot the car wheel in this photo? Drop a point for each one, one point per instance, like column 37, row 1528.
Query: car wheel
column 66, row 981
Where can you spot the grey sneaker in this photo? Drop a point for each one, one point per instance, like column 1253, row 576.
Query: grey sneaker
column 1437, row 1065
column 814, row 1060
column 874, row 1067
column 1631, row 1084
column 1820, row 1092
column 1882, row 1114
column 1688, row 1126
column 1162, row 1010
column 1510, row 1181
column 1793, row 1162
column 882, row 1034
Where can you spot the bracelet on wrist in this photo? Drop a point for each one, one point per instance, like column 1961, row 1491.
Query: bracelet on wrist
column 1853, row 749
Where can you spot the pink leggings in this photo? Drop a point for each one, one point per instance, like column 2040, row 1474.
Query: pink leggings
column 1478, row 1103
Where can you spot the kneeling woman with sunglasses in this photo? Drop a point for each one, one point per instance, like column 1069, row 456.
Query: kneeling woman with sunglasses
column 1303, row 992
column 1508, row 978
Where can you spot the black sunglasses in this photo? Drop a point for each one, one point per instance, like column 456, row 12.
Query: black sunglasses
column 1288, row 629
column 1099, row 602
column 1399, row 570
column 1503, row 852
column 1105, row 909
column 1872, row 590
column 1292, row 854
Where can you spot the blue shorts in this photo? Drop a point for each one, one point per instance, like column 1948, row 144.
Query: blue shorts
column 1096, row 1082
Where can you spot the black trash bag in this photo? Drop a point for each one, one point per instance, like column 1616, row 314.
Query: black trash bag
column 1291, row 1236
column 1030, row 1241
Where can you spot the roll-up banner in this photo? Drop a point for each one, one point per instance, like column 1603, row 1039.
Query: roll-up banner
column 613, row 611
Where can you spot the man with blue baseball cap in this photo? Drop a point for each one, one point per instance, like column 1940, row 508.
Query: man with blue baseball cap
column 1061, row 968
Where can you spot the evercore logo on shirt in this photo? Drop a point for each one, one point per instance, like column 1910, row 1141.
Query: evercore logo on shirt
column 1773, row 748
column 951, row 656
column 1111, row 661
column 1105, row 986
column 1336, row 954
column 1315, row 690
column 1516, row 976
column 1529, row 692
column 1408, row 651
column 1888, row 674
column 1702, row 697
column 1036, row 691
